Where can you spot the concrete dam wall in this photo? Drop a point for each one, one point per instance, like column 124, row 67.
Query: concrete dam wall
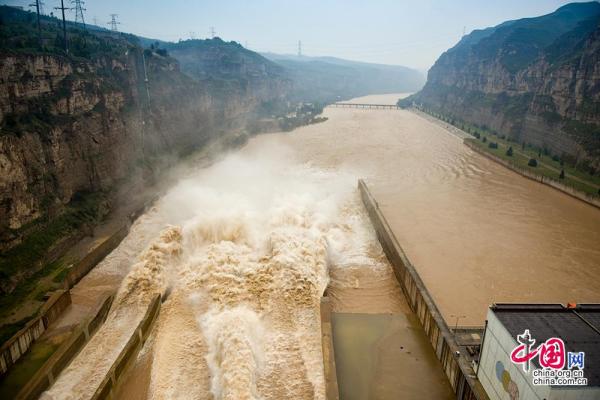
column 458, row 371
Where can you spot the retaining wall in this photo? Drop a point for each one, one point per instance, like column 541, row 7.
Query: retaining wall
column 129, row 352
column 85, row 265
column 21, row 341
column 331, row 385
column 14, row 348
column 63, row 356
column 592, row 200
column 458, row 370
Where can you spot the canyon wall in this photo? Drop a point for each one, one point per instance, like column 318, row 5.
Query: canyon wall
column 536, row 80
column 77, row 126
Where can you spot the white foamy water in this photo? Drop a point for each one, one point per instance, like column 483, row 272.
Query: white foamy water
column 245, row 252
column 258, row 239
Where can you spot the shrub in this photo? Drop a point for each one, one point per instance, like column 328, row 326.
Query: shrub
column 555, row 158
column 493, row 145
column 532, row 162
column 509, row 152
column 562, row 174
column 484, row 139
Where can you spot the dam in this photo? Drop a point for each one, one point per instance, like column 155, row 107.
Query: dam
column 242, row 251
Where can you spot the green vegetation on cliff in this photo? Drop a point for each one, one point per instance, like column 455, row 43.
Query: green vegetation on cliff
column 531, row 79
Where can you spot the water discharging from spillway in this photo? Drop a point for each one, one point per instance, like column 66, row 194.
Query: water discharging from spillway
column 243, row 250
column 263, row 230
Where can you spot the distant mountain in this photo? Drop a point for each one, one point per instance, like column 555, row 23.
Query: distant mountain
column 326, row 79
column 533, row 79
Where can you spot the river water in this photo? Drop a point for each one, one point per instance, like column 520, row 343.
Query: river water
column 246, row 247
column 476, row 232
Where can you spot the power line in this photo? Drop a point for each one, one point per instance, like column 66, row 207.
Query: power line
column 113, row 22
column 78, row 11
column 38, row 9
column 64, row 24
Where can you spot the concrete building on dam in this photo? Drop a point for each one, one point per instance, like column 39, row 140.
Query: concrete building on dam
column 541, row 352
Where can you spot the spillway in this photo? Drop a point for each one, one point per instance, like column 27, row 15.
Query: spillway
column 248, row 245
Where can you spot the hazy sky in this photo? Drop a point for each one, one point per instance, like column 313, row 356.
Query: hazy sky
column 411, row 33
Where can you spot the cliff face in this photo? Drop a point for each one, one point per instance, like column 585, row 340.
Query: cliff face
column 62, row 132
column 536, row 80
column 72, row 127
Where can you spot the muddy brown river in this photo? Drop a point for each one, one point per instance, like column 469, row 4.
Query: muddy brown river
column 477, row 232
column 246, row 247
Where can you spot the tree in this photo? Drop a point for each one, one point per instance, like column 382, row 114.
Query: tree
column 562, row 174
column 509, row 152
column 532, row 162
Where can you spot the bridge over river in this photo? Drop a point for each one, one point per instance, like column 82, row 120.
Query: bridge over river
column 366, row 106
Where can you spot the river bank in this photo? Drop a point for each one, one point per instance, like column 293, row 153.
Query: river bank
column 530, row 173
column 578, row 184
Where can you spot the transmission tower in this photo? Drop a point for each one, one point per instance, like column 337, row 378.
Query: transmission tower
column 212, row 32
column 78, row 7
column 39, row 4
column 299, row 48
column 113, row 22
column 62, row 8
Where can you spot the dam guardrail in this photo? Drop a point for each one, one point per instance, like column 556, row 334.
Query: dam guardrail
column 130, row 351
column 62, row 357
column 18, row 344
column 458, row 370
column 15, row 347
column 591, row 200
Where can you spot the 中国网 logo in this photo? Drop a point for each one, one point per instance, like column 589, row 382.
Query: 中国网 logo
column 558, row 367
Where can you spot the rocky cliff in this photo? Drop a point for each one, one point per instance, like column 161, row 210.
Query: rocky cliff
column 536, row 80
column 75, row 126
